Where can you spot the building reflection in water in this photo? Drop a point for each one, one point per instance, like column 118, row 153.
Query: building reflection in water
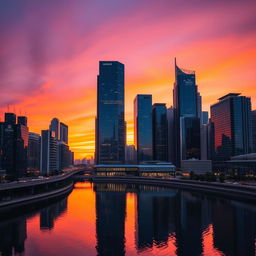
column 49, row 214
column 13, row 232
column 162, row 214
column 159, row 222
column 110, row 219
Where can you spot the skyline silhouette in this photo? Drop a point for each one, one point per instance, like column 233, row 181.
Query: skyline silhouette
column 48, row 69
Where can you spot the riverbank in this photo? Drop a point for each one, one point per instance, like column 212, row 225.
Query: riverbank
column 238, row 192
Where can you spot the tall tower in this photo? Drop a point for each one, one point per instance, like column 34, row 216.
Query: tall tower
column 143, row 130
column 186, row 120
column 55, row 127
column 160, row 132
column 110, row 124
column 232, row 126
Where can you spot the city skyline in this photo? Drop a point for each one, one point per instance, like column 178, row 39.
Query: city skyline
column 45, row 77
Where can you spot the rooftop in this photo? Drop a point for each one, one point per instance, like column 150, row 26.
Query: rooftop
column 229, row 95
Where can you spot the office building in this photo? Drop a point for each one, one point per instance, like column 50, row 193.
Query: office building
column 64, row 132
column 55, row 127
column 232, row 126
column 110, row 124
column 160, row 132
column 254, row 130
column 171, row 144
column 187, row 105
column 34, row 149
column 204, row 117
column 143, row 131
column 48, row 160
column 14, row 145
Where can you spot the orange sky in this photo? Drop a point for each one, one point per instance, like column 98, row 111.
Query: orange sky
column 49, row 56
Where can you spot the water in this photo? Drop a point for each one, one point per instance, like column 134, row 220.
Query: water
column 131, row 220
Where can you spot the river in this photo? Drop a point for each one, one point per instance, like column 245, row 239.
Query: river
column 116, row 219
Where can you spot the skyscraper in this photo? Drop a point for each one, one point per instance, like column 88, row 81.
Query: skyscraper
column 64, row 132
column 48, row 162
column 110, row 124
column 14, row 145
column 34, row 148
column 186, row 102
column 232, row 126
column 160, row 132
column 254, row 130
column 55, row 127
column 143, row 132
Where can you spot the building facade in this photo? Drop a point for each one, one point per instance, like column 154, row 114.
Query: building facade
column 64, row 133
column 48, row 160
column 160, row 132
column 110, row 124
column 187, row 105
column 143, row 130
column 34, row 151
column 55, row 127
column 232, row 126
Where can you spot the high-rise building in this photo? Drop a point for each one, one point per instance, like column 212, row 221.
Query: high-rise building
column 64, row 132
column 143, row 132
column 186, row 105
column 190, row 138
column 171, row 145
column 204, row 117
column 14, row 145
column 160, row 132
column 55, row 127
column 110, row 124
column 34, row 148
column 21, row 146
column 254, row 130
column 23, row 120
column 232, row 126
column 48, row 160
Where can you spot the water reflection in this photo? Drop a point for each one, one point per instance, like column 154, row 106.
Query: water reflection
column 113, row 219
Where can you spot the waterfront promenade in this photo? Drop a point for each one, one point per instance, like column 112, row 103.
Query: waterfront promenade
column 235, row 191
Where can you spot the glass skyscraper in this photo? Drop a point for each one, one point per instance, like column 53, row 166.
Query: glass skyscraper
column 143, row 132
column 232, row 126
column 110, row 124
column 160, row 132
column 186, row 105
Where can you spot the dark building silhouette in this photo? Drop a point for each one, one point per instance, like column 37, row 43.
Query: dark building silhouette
column 110, row 124
column 189, row 225
column 160, row 132
column 254, row 130
column 13, row 234
column 155, row 218
column 14, row 145
column 110, row 223
column 34, row 151
column 64, row 132
column 55, row 127
column 143, row 130
column 186, row 101
column 232, row 126
column 190, row 138
column 171, row 140
column 50, row 214
column 234, row 229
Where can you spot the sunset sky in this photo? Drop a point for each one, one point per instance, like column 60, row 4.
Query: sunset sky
column 50, row 49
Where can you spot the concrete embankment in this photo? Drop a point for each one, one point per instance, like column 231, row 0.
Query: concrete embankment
column 23, row 201
column 237, row 192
